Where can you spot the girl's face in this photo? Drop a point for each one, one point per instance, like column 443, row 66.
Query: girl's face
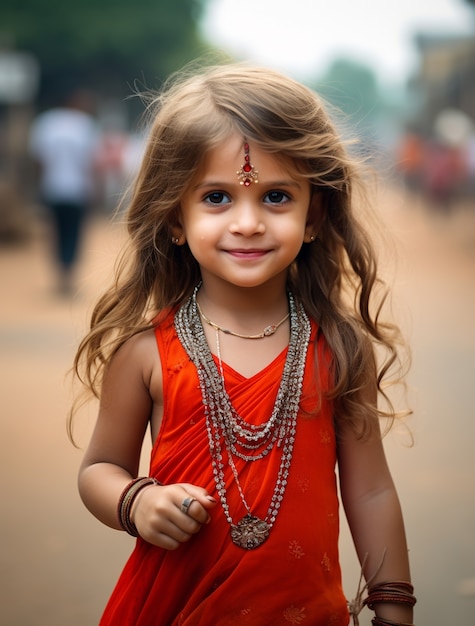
column 245, row 235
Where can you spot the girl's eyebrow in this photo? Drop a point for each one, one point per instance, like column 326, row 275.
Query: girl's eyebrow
column 267, row 184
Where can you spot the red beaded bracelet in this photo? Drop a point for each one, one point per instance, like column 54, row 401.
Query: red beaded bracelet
column 398, row 592
column 126, row 500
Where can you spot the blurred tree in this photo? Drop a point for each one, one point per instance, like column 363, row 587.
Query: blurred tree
column 363, row 106
column 353, row 89
column 106, row 44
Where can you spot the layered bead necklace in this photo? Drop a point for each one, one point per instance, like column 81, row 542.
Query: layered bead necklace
column 229, row 435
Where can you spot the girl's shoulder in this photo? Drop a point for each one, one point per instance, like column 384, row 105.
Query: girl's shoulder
column 138, row 353
column 136, row 364
column 143, row 344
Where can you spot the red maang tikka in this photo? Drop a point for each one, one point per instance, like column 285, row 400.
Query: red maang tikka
column 247, row 174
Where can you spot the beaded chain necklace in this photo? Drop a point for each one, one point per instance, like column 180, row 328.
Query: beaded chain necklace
column 226, row 428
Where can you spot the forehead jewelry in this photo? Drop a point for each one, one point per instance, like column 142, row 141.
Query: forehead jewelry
column 247, row 174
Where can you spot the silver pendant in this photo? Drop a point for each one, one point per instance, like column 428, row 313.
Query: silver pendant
column 250, row 532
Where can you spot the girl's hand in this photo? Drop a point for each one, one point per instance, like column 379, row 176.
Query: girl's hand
column 158, row 516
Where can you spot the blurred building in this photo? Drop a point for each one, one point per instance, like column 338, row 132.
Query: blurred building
column 437, row 150
column 445, row 79
column 19, row 79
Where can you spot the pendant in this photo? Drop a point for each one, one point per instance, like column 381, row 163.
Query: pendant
column 250, row 532
column 269, row 330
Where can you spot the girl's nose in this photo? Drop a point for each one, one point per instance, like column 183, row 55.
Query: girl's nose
column 247, row 220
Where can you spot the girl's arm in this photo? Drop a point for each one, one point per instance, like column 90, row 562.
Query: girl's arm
column 374, row 514
column 130, row 395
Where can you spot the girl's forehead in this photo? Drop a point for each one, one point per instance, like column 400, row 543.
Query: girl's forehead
column 233, row 153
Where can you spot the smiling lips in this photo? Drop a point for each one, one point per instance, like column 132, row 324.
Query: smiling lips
column 245, row 253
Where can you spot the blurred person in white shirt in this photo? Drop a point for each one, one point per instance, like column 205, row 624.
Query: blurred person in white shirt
column 64, row 142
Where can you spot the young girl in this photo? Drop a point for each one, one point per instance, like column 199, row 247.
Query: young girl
column 240, row 328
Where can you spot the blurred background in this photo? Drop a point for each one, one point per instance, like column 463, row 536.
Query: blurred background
column 404, row 75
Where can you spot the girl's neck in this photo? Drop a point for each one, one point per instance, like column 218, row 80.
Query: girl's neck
column 243, row 309
column 233, row 318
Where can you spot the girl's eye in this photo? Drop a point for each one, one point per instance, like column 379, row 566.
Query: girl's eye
column 217, row 197
column 276, row 197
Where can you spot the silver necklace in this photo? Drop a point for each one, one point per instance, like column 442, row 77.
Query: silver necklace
column 229, row 435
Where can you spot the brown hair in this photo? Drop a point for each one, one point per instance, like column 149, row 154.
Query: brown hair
column 335, row 277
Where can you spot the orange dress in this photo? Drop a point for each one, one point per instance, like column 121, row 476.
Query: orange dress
column 293, row 578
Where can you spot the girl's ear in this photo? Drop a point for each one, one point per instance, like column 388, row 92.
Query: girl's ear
column 315, row 217
column 178, row 235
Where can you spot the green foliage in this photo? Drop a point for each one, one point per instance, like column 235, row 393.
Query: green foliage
column 108, row 44
column 351, row 87
column 353, row 90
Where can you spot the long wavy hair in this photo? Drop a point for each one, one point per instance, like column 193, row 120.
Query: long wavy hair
column 335, row 277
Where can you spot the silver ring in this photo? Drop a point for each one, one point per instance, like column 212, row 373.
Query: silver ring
column 185, row 505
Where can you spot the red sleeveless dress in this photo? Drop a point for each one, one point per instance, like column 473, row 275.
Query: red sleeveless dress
column 293, row 578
